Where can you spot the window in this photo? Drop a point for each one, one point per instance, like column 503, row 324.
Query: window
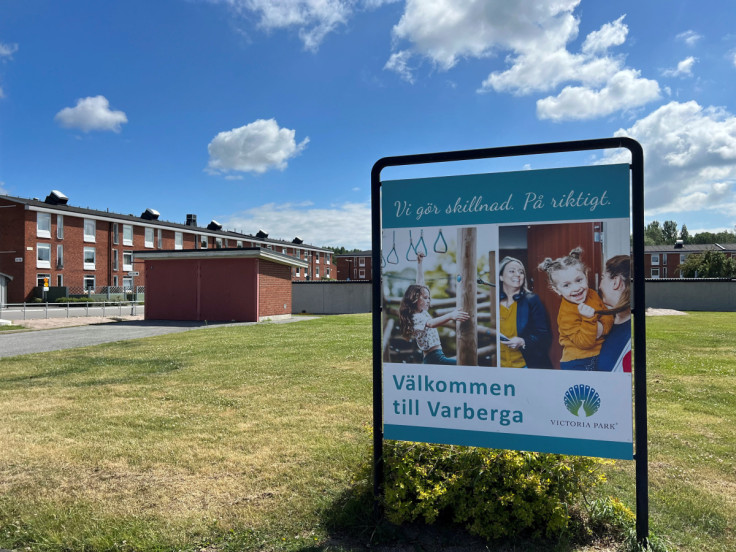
column 60, row 227
column 159, row 238
column 178, row 240
column 128, row 284
column 664, row 272
column 655, row 258
column 43, row 255
column 203, row 242
column 115, row 233
column 127, row 261
column 115, row 259
column 60, row 280
column 683, row 256
column 127, row 234
column 298, row 272
column 90, row 230
column 361, row 261
column 59, row 256
column 327, row 258
column 655, row 273
column 239, row 243
column 327, row 273
column 149, row 238
column 41, row 277
column 316, row 258
column 218, row 243
column 283, row 250
column 89, row 282
column 361, row 274
column 89, row 258
column 43, row 225
column 115, row 281
column 664, row 259
column 316, row 272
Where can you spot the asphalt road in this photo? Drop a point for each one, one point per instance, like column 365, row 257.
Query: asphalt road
column 42, row 341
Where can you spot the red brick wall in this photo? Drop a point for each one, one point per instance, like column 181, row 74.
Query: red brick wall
column 12, row 246
column 274, row 289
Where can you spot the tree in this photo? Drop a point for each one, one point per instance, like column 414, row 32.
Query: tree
column 684, row 234
column 711, row 264
column 669, row 232
column 654, row 233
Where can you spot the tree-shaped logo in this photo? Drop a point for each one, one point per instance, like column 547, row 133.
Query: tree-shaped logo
column 582, row 400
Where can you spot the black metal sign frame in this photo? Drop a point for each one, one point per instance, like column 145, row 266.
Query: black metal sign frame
column 638, row 310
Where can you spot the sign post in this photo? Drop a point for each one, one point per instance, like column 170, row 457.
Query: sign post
column 535, row 219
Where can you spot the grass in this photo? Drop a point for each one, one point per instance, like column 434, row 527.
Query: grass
column 248, row 438
column 11, row 327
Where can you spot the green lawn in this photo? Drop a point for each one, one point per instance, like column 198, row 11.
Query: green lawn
column 248, row 438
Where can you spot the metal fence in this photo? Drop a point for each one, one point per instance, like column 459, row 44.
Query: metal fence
column 31, row 311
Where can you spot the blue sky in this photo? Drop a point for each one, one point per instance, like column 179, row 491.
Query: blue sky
column 269, row 114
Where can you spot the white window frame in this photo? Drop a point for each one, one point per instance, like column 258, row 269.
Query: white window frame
column 316, row 272
column 115, row 280
column 90, row 230
column 664, row 259
column 127, row 283
column 203, row 241
column 90, row 253
column 60, row 280
column 40, row 277
column 683, row 256
column 89, row 277
column 127, row 229
column 298, row 271
column 361, row 261
column 316, row 258
column 59, row 256
column 115, row 259
column 655, row 259
column 160, row 238
column 43, row 261
column 127, row 267
column 239, row 244
column 218, row 243
column 59, row 227
column 43, row 225
column 115, row 231
column 178, row 240
column 361, row 274
column 327, row 258
column 655, row 273
column 148, row 240
column 327, row 275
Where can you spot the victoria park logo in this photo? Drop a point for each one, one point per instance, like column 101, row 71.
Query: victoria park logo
column 582, row 400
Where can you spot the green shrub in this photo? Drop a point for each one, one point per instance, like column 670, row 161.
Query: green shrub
column 493, row 493
column 75, row 300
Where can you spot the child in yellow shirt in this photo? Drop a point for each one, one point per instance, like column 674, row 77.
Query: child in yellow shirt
column 581, row 328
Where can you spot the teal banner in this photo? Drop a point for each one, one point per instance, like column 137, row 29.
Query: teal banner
column 575, row 193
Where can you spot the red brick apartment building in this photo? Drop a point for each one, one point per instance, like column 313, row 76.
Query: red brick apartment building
column 354, row 266
column 85, row 249
column 663, row 261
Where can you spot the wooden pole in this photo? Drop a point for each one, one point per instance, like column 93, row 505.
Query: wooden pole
column 467, row 333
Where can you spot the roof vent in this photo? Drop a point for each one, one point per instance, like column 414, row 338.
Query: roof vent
column 297, row 240
column 214, row 225
column 679, row 244
column 150, row 214
column 261, row 234
column 56, row 198
column 191, row 220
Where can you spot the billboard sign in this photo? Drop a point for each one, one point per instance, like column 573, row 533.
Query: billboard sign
column 506, row 316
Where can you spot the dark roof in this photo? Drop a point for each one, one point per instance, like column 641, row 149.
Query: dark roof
column 229, row 253
column 137, row 219
column 685, row 248
column 367, row 253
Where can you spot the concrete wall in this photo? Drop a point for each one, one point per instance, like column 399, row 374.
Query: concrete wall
column 331, row 297
column 691, row 295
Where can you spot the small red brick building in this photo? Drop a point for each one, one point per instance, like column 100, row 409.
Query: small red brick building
column 243, row 285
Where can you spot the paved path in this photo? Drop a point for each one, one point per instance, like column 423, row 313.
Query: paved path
column 42, row 341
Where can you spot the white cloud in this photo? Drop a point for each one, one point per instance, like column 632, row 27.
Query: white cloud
column 684, row 68
column 91, row 113
column 7, row 50
column 255, row 147
column 689, row 37
column 534, row 34
column 346, row 225
column 3, row 191
column 398, row 62
column 624, row 90
column 690, row 158
column 313, row 19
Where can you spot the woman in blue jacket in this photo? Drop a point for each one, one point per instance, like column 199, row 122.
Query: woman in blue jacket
column 525, row 330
